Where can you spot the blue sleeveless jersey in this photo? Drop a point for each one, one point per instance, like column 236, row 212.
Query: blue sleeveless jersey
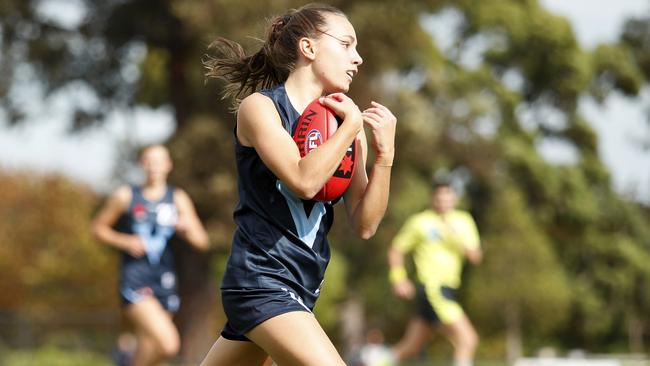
column 281, row 241
column 154, row 272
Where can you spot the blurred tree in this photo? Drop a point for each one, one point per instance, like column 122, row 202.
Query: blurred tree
column 520, row 264
column 636, row 42
column 55, row 276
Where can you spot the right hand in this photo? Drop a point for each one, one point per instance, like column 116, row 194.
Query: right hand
column 135, row 246
column 404, row 289
column 345, row 108
column 382, row 123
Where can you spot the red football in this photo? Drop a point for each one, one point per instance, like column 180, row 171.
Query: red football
column 316, row 124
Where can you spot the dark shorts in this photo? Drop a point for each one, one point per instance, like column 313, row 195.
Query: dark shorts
column 247, row 308
column 161, row 286
column 437, row 304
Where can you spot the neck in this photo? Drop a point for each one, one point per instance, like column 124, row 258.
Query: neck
column 302, row 88
column 441, row 212
column 151, row 184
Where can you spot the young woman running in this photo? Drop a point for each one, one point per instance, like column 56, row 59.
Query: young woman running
column 280, row 250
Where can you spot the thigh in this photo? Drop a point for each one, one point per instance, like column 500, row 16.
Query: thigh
column 225, row 352
column 460, row 330
column 150, row 319
column 295, row 338
column 443, row 303
column 418, row 332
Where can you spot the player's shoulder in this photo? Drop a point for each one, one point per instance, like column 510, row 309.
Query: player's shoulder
column 123, row 193
column 256, row 109
column 421, row 217
column 180, row 194
column 462, row 215
column 256, row 103
column 120, row 198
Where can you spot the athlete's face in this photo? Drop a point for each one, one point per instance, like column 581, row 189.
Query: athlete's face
column 156, row 163
column 337, row 60
column 443, row 199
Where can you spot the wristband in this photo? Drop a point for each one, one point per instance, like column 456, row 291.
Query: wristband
column 397, row 274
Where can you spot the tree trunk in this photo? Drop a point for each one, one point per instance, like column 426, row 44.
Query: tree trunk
column 513, row 334
column 635, row 332
column 200, row 310
column 352, row 325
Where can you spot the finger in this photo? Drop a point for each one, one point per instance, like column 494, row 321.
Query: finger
column 334, row 105
column 380, row 106
column 373, row 114
column 371, row 122
column 383, row 108
column 371, row 118
column 377, row 111
column 339, row 97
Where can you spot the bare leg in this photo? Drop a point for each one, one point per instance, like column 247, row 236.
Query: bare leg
column 462, row 335
column 418, row 332
column 145, row 352
column 296, row 338
column 225, row 352
column 157, row 336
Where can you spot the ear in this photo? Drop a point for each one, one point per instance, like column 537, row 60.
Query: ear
column 307, row 48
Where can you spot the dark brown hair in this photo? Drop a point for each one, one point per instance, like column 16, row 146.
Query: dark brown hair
column 272, row 63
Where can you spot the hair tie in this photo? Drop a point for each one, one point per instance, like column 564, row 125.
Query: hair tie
column 285, row 19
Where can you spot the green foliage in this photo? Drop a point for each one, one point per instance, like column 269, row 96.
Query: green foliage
column 616, row 69
column 52, row 356
column 522, row 275
column 333, row 291
column 538, row 44
column 154, row 81
column 635, row 35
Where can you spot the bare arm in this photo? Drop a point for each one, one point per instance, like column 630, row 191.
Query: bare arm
column 102, row 224
column 402, row 286
column 189, row 225
column 367, row 198
column 474, row 256
column 259, row 126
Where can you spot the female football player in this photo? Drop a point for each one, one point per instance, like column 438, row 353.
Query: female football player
column 139, row 220
column 280, row 250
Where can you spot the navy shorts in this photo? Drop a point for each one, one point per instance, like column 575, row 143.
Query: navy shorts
column 247, row 308
column 162, row 286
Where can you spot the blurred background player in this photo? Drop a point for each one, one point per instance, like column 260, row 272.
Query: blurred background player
column 440, row 238
column 374, row 352
column 139, row 221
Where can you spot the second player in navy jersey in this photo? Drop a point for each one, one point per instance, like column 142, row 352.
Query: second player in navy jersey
column 280, row 250
column 139, row 220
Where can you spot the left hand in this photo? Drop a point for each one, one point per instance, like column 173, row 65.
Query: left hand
column 382, row 123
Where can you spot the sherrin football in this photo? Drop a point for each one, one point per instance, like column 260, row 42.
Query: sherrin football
column 317, row 124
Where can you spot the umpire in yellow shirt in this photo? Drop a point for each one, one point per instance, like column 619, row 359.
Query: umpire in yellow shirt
column 440, row 238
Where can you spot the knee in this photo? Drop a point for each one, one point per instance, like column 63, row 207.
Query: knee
column 412, row 348
column 406, row 350
column 471, row 340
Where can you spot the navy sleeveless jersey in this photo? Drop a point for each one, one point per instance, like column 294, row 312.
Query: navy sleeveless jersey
column 281, row 241
column 154, row 272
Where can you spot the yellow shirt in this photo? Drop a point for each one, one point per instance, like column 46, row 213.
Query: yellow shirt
column 438, row 246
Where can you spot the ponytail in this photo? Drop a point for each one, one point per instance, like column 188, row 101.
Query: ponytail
column 273, row 62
